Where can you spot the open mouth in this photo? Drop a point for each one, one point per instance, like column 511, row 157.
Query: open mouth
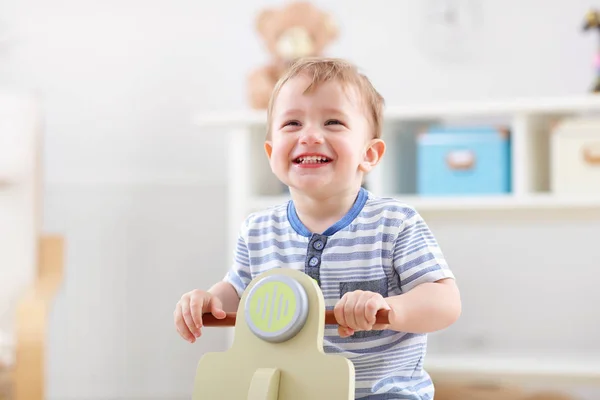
column 312, row 160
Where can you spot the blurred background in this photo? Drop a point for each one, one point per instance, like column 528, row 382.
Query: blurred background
column 139, row 111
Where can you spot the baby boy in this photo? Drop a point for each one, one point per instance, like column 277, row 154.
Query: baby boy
column 367, row 253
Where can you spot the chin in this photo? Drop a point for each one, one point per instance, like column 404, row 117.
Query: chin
column 312, row 187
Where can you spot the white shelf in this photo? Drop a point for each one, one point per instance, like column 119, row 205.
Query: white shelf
column 508, row 202
column 575, row 367
column 552, row 105
column 560, row 105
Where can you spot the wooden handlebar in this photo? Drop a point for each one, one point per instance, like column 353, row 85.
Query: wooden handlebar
column 209, row 320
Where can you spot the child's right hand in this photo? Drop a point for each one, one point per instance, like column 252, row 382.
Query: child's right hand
column 189, row 310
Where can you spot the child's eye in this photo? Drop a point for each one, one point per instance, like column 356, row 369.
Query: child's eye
column 333, row 121
column 291, row 123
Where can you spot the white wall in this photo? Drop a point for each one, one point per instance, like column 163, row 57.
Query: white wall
column 139, row 192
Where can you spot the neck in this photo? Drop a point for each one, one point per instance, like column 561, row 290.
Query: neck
column 319, row 213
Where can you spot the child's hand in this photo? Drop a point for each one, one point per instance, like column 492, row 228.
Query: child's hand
column 356, row 312
column 189, row 310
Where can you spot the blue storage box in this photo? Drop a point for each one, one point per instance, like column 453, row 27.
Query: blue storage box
column 463, row 161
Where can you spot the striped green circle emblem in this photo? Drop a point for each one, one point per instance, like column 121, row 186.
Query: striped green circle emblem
column 272, row 306
column 276, row 308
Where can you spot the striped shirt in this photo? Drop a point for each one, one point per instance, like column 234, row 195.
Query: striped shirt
column 380, row 245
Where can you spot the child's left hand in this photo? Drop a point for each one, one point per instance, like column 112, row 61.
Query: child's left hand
column 356, row 312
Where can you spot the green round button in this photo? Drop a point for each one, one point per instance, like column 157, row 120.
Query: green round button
column 276, row 308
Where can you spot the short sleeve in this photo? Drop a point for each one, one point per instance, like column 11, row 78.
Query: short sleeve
column 417, row 257
column 239, row 275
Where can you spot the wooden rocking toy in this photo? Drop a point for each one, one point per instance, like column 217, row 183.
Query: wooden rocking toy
column 277, row 352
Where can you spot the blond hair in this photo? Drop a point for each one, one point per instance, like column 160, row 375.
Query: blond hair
column 321, row 70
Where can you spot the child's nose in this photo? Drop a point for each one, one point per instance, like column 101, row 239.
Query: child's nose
column 311, row 136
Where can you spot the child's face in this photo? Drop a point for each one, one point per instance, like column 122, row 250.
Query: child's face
column 321, row 142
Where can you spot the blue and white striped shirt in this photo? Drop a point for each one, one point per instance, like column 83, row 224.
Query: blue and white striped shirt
column 380, row 245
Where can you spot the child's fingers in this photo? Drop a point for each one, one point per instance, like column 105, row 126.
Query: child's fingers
column 367, row 310
column 345, row 332
column 350, row 312
column 358, row 311
column 372, row 305
column 216, row 308
column 373, row 302
column 181, row 325
column 197, row 304
column 187, row 317
column 384, row 306
column 363, row 313
column 338, row 311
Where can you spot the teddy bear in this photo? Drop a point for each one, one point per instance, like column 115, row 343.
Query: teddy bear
column 294, row 31
column 465, row 391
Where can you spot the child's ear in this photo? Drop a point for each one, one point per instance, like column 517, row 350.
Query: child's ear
column 268, row 148
column 373, row 154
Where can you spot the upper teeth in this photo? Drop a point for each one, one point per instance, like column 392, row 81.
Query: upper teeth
column 311, row 159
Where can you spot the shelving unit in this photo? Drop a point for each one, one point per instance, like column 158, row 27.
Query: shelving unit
column 253, row 187
column 530, row 122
